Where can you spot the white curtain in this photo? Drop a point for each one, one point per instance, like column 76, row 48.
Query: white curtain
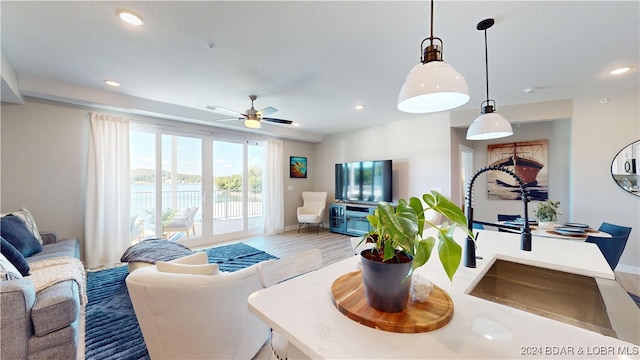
column 274, row 188
column 107, row 205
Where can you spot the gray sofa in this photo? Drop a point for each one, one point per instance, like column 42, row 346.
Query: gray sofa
column 42, row 325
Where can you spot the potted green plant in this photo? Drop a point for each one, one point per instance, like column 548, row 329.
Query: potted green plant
column 399, row 247
column 547, row 213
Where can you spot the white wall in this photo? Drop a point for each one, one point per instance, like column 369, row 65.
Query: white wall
column 558, row 134
column 418, row 147
column 293, row 187
column 599, row 131
column 44, row 157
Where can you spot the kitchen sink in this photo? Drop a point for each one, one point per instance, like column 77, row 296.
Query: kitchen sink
column 570, row 298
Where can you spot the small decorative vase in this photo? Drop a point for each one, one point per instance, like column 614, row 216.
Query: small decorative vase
column 546, row 224
column 383, row 285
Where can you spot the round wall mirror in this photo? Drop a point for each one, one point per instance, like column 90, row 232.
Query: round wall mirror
column 625, row 168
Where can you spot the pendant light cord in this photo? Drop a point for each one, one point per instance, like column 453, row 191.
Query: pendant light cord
column 431, row 22
column 486, row 63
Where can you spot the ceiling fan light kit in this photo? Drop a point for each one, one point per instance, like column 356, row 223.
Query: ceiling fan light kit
column 252, row 124
column 489, row 125
column 252, row 117
column 432, row 85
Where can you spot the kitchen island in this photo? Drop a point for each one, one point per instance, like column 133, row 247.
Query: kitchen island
column 301, row 310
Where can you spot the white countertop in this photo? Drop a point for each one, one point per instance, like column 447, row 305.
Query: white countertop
column 301, row 309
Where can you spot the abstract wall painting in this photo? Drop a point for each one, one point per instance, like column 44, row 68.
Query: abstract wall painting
column 297, row 167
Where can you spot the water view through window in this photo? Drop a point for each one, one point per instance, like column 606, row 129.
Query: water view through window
column 205, row 187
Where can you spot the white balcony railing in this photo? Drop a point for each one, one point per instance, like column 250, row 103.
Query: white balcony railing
column 227, row 204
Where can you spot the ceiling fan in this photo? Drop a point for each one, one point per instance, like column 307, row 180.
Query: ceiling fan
column 252, row 117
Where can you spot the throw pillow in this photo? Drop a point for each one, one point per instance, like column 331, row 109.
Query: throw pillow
column 15, row 231
column 202, row 269
column 13, row 255
column 28, row 219
column 7, row 270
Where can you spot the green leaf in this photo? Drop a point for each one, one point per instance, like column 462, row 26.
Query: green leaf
column 416, row 205
column 373, row 220
column 449, row 251
column 423, row 251
column 401, row 224
column 389, row 251
column 446, row 207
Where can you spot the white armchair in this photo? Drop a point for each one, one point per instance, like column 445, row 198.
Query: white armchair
column 312, row 209
column 188, row 310
column 183, row 222
column 191, row 316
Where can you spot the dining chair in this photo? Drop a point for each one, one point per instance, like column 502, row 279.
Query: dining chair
column 507, row 217
column 613, row 247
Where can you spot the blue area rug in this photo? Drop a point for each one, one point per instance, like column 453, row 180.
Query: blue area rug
column 112, row 330
column 635, row 298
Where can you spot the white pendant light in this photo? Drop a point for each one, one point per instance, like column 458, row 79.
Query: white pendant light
column 489, row 125
column 432, row 85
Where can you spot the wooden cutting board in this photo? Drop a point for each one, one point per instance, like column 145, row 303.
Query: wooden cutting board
column 347, row 294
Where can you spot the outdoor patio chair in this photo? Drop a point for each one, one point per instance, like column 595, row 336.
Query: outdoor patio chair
column 184, row 222
column 136, row 228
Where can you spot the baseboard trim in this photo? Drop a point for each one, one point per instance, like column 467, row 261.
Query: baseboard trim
column 295, row 227
column 628, row 269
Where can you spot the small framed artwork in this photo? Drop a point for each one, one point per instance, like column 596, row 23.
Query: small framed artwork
column 298, row 167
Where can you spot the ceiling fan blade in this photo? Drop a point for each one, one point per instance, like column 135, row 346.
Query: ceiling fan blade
column 278, row 121
column 267, row 111
column 224, row 111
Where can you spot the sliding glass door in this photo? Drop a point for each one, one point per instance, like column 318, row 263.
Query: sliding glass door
column 194, row 189
column 181, row 187
column 237, row 188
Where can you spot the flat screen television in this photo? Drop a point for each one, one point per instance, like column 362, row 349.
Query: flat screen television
column 364, row 181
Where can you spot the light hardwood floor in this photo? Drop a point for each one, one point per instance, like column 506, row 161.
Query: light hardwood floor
column 629, row 282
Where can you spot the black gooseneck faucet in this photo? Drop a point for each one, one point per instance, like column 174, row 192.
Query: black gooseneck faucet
column 525, row 235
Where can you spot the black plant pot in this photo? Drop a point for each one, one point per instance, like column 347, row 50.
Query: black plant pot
column 383, row 286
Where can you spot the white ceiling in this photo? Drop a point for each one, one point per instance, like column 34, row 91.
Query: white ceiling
column 312, row 60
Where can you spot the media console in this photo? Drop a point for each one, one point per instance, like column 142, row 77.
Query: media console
column 350, row 219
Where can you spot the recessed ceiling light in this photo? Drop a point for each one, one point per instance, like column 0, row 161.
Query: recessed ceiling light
column 619, row 71
column 296, row 124
column 130, row 17
column 112, row 83
column 359, row 107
